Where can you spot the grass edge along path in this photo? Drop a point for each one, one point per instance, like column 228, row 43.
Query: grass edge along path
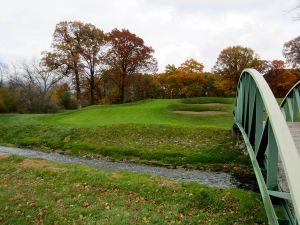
column 158, row 136
column 205, row 148
column 39, row 191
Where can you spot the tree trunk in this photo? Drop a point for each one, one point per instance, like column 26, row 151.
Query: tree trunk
column 122, row 89
column 98, row 93
column 92, row 91
column 1, row 81
column 92, row 87
column 77, row 87
column 122, row 94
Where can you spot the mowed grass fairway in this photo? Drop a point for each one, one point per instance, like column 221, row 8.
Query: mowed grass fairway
column 150, row 131
column 42, row 192
column 146, row 112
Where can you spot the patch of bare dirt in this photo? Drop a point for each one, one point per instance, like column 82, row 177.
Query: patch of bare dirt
column 115, row 175
column 166, row 183
column 201, row 112
column 3, row 156
column 208, row 104
column 17, row 197
column 67, row 138
column 170, row 184
column 36, row 163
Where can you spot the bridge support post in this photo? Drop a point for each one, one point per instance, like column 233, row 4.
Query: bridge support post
column 258, row 120
column 272, row 165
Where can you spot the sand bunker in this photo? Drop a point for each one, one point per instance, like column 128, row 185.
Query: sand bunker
column 201, row 113
column 208, row 104
column 35, row 163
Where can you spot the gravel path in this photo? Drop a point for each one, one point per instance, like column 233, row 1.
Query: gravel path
column 215, row 179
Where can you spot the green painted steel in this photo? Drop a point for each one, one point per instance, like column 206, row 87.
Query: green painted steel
column 263, row 126
column 290, row 104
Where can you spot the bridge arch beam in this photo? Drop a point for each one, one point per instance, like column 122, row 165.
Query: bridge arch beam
column 267, row 137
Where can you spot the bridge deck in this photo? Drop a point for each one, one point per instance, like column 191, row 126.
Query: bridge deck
column 295, row 132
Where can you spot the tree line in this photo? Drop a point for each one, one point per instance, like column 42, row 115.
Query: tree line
column 87, row 66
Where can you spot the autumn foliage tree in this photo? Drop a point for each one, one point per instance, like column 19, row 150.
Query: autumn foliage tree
column 63, row 96
column 191, row 66
column 291, row 51
column 91, row 52
column 170, row 68
column 7, row 100
column 183, row 85
column 91, row 66
column 64, row 55
column 77, row 51
column 279, row 78
column 188, row 80
column 127, row 55
column 230, row 63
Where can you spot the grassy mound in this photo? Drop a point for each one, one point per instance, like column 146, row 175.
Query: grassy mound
column 159, row 111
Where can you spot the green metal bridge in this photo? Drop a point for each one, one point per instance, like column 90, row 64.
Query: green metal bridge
column 272, row 137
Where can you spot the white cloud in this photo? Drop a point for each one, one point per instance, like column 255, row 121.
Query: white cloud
column 176, row 29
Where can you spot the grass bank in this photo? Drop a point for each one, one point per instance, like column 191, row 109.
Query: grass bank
column 38, row 191
column 146, row 132
column 200, row 148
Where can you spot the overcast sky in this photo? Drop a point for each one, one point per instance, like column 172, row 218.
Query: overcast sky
column 176, row 29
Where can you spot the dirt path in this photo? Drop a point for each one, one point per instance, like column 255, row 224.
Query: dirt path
column 215, row 179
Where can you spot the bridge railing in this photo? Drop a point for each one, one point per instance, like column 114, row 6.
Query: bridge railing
column 290, row 105
column 267, row 136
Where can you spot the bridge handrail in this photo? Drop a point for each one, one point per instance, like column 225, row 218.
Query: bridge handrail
column 292, row 107
column 276, row 121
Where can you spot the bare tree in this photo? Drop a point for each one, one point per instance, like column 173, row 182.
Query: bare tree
column 34, row 85
column 3, row 72
column 41, row 77
column 291, row 51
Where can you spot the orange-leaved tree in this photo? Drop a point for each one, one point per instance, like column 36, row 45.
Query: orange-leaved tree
column 188, row 80
column 127, row 55
column 191, row 66
column 278, row 77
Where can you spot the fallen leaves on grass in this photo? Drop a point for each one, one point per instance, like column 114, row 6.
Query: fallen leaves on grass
column 3, row 155
column 170, row 184
column 60, row 202
column 116, row 175
column 17, row 197
column 67, row 138
column 166, row 183
column 36, row 163
column 85, row 204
